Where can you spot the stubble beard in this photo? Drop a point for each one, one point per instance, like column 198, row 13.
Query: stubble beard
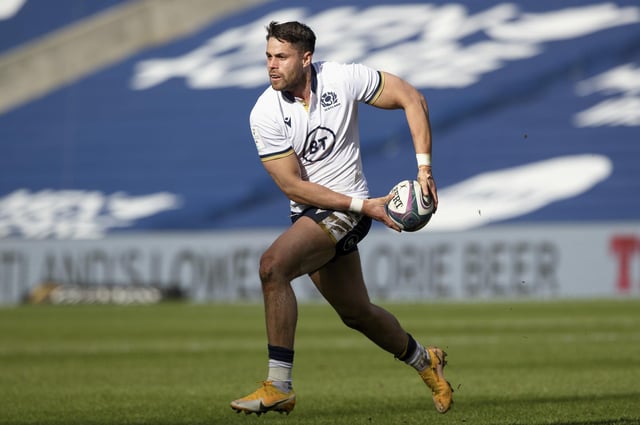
column 287, row 85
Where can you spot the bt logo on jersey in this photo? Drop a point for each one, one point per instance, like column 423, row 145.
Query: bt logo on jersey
column 319, row 144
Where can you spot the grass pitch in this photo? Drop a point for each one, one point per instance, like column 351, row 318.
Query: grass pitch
column 562, row 363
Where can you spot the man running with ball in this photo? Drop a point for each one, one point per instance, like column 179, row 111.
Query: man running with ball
column 305, row 127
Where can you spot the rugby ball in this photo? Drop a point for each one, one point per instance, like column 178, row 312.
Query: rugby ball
column 408, row 208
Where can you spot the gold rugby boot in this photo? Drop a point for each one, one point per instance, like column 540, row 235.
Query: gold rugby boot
column 267, row 398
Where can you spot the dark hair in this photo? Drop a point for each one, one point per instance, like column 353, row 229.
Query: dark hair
column 296, row 33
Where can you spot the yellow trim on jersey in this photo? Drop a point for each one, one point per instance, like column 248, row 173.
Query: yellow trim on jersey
column 376, row 94
column 276, row 155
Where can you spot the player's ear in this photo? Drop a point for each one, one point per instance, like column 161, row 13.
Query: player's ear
column 306, row 58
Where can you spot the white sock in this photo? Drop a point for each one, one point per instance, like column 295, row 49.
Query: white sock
column 419, row 360
column 280, row 374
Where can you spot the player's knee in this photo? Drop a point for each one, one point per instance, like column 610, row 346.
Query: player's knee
column 356, row 318
column 352, row 322
column 266, row 269
column 270, row 270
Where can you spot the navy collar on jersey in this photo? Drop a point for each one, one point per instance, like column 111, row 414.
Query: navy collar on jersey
column 314, row 86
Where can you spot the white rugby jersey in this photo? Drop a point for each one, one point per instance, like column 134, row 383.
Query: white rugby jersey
column 325, row 136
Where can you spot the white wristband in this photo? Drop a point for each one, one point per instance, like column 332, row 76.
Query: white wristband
column 356, row 205
column 423, row 159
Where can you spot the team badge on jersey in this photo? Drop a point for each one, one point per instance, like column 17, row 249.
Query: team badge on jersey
column 329, row 100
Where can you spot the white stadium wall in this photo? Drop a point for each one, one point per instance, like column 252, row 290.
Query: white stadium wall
column 515, row 262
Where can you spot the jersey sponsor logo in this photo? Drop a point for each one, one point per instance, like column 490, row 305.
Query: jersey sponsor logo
column 319, row 144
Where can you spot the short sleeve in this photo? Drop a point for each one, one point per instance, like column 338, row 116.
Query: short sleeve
column 270, row 140
column 365, row 83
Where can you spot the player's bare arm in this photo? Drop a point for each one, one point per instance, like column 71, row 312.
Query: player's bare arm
column 399, row 94
column 285, row 172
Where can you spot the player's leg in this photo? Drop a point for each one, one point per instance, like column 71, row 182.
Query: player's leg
column 342, row 284
column 303, row 248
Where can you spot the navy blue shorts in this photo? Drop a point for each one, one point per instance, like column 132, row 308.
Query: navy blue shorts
column 346, row 229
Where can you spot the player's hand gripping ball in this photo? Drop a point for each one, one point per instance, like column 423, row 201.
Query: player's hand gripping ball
column 409, row 208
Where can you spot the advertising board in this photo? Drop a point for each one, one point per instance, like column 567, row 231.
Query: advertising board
column 523, row 262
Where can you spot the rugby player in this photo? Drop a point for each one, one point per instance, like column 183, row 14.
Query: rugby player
column 305, row 127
